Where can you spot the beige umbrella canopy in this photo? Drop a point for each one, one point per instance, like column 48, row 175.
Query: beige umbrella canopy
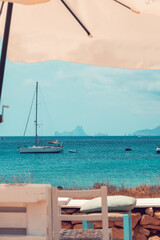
column 121, row 37
column 26, row 2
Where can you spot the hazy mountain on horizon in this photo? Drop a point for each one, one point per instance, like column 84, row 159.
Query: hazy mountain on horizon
column 78, row 131
column 101, row 135
column 148, row 132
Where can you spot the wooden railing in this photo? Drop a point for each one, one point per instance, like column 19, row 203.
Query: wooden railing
column 25, row 212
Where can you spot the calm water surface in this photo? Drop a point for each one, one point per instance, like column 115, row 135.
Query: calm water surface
column 98, row 158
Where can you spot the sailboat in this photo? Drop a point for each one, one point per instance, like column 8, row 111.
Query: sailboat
column 52, row 147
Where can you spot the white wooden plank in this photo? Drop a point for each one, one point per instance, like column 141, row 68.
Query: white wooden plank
column 49, row 224
column 56, row 225
column 23, row 192
column 6, row 204
column 64, row 200
column 104, row 213
column 148, row 202
column 91, row 217
column 13, row 220
column 76, row 203
column 36, row 219
column 114, row 216
column 80, row 194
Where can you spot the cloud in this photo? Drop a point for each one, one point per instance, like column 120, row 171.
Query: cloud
column 28, row 82
column 154, row 86
column 97, row 81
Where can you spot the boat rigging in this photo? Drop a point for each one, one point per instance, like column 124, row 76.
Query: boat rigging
column 52, row 147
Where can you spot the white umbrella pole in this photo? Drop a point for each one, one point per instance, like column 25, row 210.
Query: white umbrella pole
column 5, row 45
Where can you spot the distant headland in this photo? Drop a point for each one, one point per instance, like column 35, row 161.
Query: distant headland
column 148, row 132
column 78, row 131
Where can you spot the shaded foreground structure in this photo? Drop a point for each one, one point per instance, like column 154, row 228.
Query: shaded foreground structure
column 27, row 212
column 30, row 212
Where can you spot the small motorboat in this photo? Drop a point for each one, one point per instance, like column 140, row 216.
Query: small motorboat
column 158, row 149
column 128, row 149
column 73, row 151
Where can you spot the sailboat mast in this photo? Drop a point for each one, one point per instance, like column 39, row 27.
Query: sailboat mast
column 36, row 112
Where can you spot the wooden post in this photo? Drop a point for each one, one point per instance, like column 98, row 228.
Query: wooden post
column 56, row 227
column 104, row 213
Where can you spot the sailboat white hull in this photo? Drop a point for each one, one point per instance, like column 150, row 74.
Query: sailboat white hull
column 41, row 149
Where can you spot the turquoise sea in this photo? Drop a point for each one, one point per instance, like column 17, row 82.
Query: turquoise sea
column 98, row 158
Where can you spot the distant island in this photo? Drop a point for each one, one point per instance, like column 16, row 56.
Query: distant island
column 148, row 132
column 78, row 131
column 101, row 134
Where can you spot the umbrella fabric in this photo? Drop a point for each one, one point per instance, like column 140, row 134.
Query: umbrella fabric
column 26, row 2
column 121, row 38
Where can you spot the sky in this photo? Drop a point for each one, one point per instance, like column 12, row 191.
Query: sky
column 100, row 99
